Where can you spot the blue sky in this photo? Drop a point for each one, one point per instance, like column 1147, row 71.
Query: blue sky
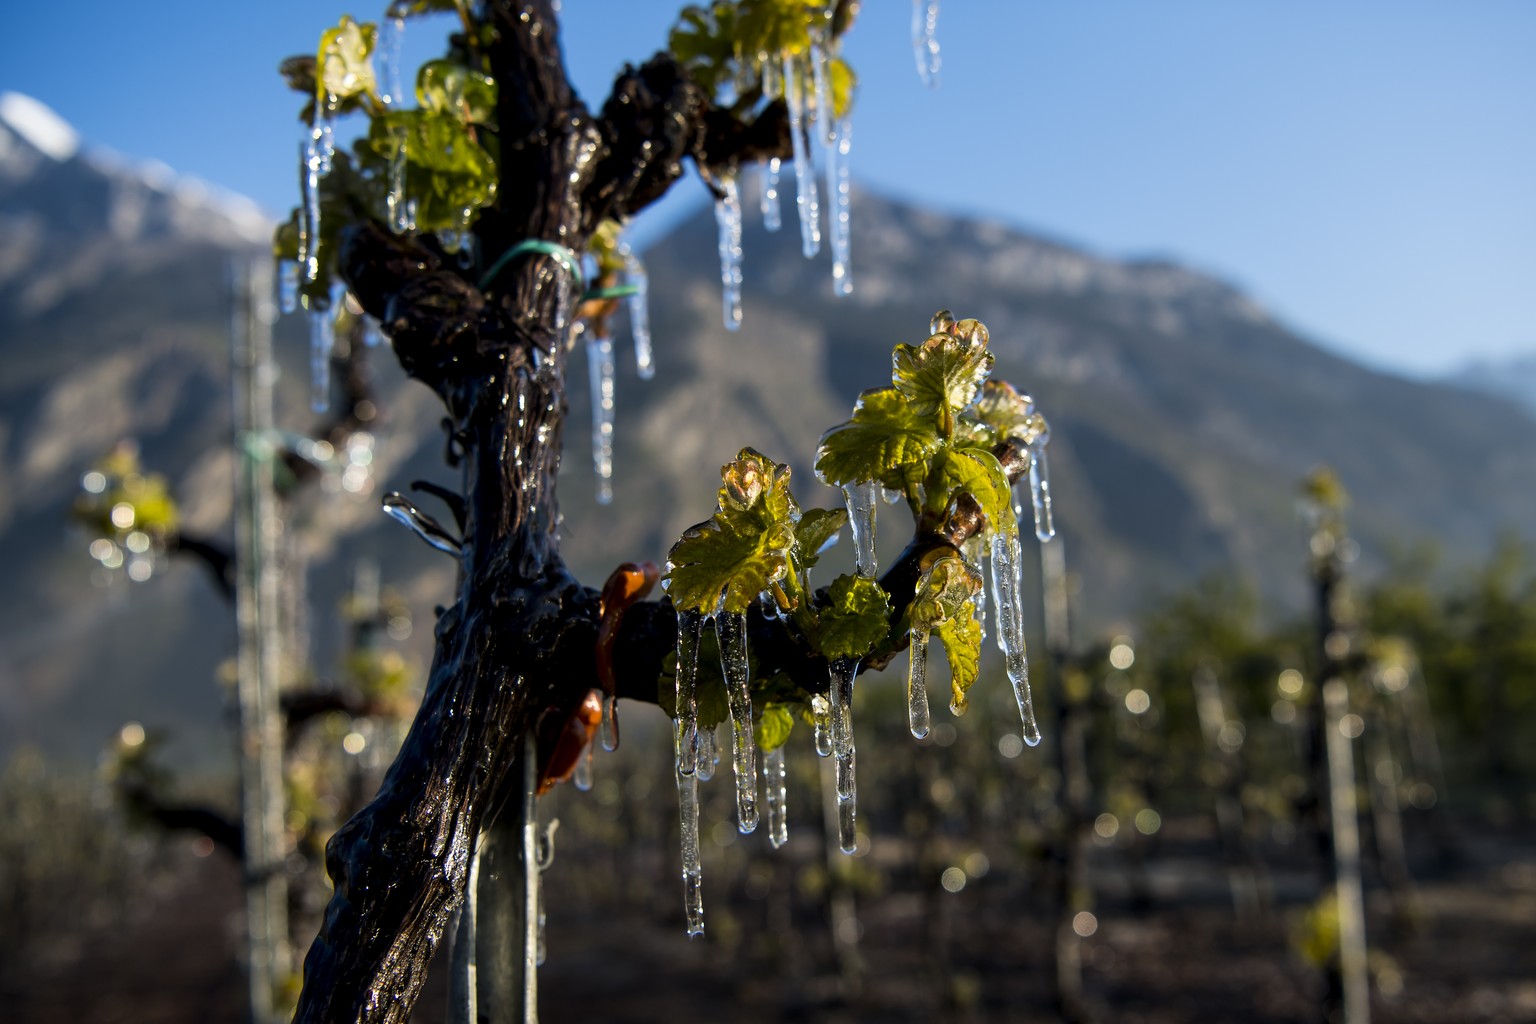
column 1367, row 169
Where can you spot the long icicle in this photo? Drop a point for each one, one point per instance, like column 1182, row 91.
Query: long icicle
column 707, row 755
column 731, row 630
column 639, row 313
column 917, row 683
column 860, row 499
column 600, row 374
column 839, row 219
column 387, row 56
column 772, row 216
column 693, row 869
column 807, row 203
column 1040, row 492
column 925, row 44
column 821, row 716
column 322, row 341
column 842, row 673
column 288, row 285
column 776, row 796
column 728, row 220
column 690, row 627
column 1007, row 558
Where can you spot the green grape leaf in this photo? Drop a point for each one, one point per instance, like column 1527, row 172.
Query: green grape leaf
column 1005, row 413
column 857, row 618
column 961, row 636
column 777, row 26
column 771, row 726
column 445, row 87
column 343, row 68
column 606, row 247
column 976, row 471
column 884, row 435
column 447, row 172
column 745, row 547
column 944, row 592
column 816, row 531
column 842, row 81
column 942, row 375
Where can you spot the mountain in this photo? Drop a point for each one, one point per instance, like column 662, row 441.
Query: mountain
column 1183, row 418
column 1513, row 378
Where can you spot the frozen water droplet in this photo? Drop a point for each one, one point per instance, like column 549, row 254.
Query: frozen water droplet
column 1007, row 558
column 728, row 219
column 860, row 499
column 841, row 675
column 925, row 45
column 708, row 755
column 639, row 314
column 1040, row 492
column 917, row 683
column 582, row 776
column 776, row 796
column 943, row 322
column 288, row 285
column 690, row 626
column 400, row 509
column 821, row 715
column 772, row 217
column 839, row 222
column 807, row 202
column 731, row 629
column 600, row 375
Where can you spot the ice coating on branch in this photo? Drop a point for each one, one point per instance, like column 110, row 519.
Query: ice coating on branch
column 776, row 796
column 288, row 285
column 841, row 676
column 690, row 627
column 728, row 220
column 917, row 683
column 322, row 340
column 839, row 220
column 600, row 374
column 772, row 216
column 639, row 313
column 925, row 45
column 807, row 203
column 1007, row 558
column 1040, row 492
column 693, row 870
column 400, row 508
column 821, row 715
column 860, row 499
column 708, row 754
column 731, row 629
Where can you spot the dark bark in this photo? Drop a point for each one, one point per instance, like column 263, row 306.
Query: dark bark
column 142, row 802
column 213, row 556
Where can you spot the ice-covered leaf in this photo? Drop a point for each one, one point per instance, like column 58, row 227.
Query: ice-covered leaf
column 976, row 471
column 771, row 726
column 343, row 68
column 446, row 170
column 942, row 375
column 745, row 547
column 446, row 87
column 857, row 618
column 817, row 530
column 1005, row 413
column 961, row 636
column 884, row 435
column 944, row 592
column 842, row 82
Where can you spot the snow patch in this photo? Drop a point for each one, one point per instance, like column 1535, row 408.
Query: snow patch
column 39, row 125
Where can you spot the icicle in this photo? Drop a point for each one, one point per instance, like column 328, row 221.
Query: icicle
column 582, row 776
column 975, row 553
column 917, row 683
column 708, row 755
column 400, row 509
column 731, row 629
column 373, row 334
column 546, row 857
column 776, row 796
column 608, row 731
column 772, row 217
column 860, row 499
column 319, row 150
column 693, row 870
column 322, row 340
column 600, row 376
column 288, row 285
column 806, row 200
column 387, row 57
column 1007, row 557
column 1040, row 491
column 728, row 218
column 690, row 626
column 839, row 219
column 925, row 47
column 842, row 673
column 821, row 715
column 639, row 313
column 821, row 82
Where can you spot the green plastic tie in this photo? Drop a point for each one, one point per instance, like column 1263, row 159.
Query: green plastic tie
column 613, row 291
column 555, row 250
